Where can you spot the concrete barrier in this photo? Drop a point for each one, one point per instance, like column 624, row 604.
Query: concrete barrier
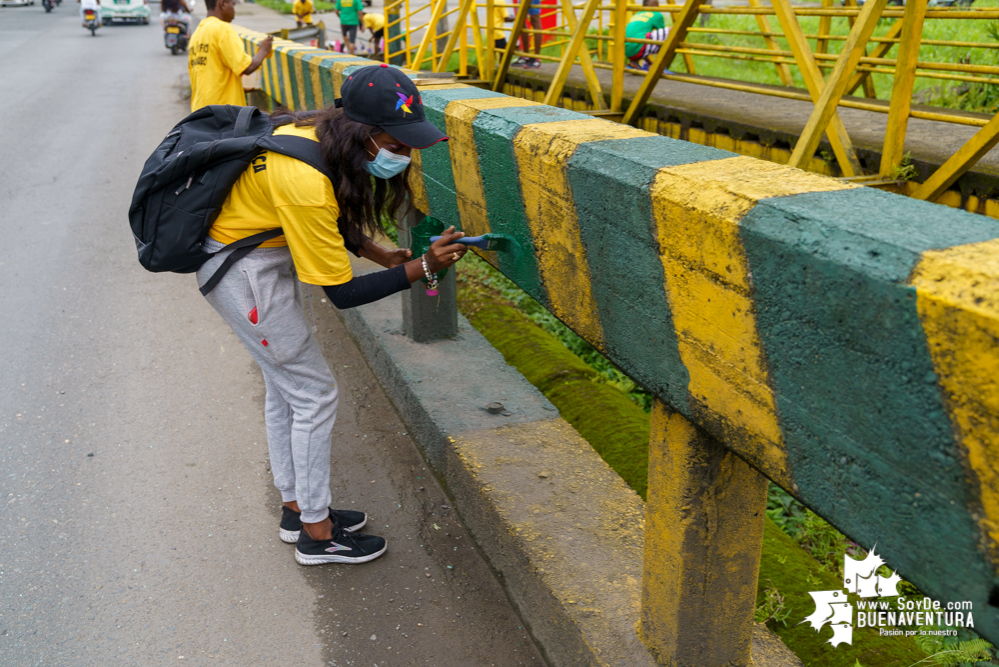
column 840, row 340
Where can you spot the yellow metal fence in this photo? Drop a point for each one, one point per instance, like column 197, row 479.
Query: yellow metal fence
column 442, row 35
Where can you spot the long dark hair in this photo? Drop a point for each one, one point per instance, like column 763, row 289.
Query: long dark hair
column 364, row 200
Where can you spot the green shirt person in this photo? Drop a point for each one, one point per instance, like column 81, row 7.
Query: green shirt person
column 350, row 14
column 645, row 25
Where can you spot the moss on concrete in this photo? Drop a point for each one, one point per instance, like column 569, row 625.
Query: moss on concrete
column 793, row 572
column 619, row 431
column 565, row 380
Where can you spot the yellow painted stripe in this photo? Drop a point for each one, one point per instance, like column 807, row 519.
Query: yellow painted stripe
column 337, row 68
column 697, row 209
column 542, row 151
column 303, row 102
column 287, row 73
column 315, row 73
column 957, row 296
column 416, row 184
column 459, row 115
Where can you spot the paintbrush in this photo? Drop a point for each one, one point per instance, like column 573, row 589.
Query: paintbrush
column 497, row 242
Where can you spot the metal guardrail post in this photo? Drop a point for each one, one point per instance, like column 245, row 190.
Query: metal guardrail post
column 703, row 539
column 428, row 318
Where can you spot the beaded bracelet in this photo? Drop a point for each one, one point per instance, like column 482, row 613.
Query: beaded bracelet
column 431, row 278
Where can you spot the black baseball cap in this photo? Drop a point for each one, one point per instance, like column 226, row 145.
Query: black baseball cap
column 384, row 96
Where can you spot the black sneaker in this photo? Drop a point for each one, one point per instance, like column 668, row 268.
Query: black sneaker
column 291, row 522
column 343, row 548
column 532, row 63
column 519, row 62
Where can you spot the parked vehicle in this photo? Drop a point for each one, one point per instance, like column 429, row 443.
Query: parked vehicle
column 125, row 10
column 16, row 3
column 91, row 20
column 175, row 33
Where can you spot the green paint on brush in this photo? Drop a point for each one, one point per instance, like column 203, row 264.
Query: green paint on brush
column 610, row 181
column 868, row 437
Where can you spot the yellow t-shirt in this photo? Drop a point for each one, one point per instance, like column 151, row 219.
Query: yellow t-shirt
column 374, row 21
column 303, row 10
column 216, row 64
column 280, row 191
column 499, row 16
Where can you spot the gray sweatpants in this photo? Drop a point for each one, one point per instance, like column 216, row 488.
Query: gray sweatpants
column 301, row 402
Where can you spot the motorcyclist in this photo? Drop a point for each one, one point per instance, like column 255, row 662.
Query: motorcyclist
column 177, row 10
column 94, row 5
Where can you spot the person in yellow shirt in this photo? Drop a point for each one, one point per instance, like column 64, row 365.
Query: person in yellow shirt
column 375, row 23
column 217, row 59
column 500, row 16
column 366, row 144
column 302, row 9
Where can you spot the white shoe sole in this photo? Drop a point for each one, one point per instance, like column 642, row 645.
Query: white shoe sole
column 316, row 559
column 291, row 536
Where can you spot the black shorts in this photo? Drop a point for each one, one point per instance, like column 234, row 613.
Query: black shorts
column 378, row 34
column 501, row 43
column 349, row 32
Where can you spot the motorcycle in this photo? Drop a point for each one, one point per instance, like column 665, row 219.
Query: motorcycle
column 91, row 21
column 48, row 5
column 175, row 34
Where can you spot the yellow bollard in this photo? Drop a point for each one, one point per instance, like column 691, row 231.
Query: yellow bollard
column 703, row 538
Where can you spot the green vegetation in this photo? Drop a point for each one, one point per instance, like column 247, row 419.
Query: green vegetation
column 953, row 651
column 950, row 94
column 285, row 7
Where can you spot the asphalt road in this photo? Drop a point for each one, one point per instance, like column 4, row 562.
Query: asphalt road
column 138, row 523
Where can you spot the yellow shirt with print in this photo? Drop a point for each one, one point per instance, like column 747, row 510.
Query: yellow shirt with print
column 280, row 191
column 373, row 21
column 216, row 62
column 303, row 10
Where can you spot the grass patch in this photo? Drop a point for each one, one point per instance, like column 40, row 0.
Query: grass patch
column 285, row 7
column 949, row 94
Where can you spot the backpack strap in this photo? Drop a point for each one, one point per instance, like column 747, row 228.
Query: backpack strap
column 242, row 125
column 300, row 148
column 240, row 249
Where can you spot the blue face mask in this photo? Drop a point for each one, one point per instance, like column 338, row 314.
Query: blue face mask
column 387, row 164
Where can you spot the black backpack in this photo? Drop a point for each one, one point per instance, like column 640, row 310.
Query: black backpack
column 186, row 180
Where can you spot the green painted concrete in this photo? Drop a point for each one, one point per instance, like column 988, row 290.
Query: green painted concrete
column 866, row 430
column 494, row 130
column 619, row 431
column 627, row 274
column 438, row 177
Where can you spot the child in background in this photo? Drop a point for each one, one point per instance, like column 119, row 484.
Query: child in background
column 500, row 16
column 302, row 9
column 645, row 25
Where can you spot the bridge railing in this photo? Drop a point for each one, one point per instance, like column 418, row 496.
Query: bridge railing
column 807, row 66
column 837, row 340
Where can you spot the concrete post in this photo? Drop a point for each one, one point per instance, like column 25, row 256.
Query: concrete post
column 393, row 32
column 703, row 539
column 428, row 318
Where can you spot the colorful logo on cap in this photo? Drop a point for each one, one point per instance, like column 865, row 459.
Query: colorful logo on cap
column 404, row 103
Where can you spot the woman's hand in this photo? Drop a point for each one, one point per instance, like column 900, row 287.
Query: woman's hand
column 443, row 252
column 396, row 257
column 389, row 258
